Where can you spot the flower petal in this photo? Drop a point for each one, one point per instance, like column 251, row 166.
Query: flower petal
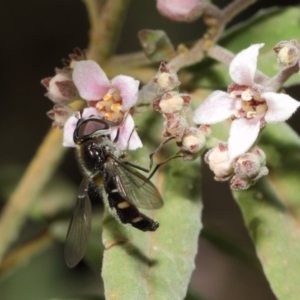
column 128, row 88
column 243, row 133
column 69, row 131
column 215, row 108
column 280, row 106
column 90, row 80
column 125, row 131
column 71, row 123
column 243, row 66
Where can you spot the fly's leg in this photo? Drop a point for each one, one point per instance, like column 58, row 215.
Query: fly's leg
column 148, row 170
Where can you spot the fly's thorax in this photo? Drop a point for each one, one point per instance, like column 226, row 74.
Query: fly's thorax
column 92, row 154
column 90, row 157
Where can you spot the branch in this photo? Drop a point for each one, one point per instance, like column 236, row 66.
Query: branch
column 106, row 26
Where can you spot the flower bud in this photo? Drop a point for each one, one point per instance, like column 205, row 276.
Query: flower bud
column 61, row 88
column 260, row 155
column 193, row 140
column 172, row 102
column 175, row 125
column 239, row 184
column 218, row 161
column 288, row 53
column 247, row 166
column 60, row 114
column 180, row 11
column 166, row 79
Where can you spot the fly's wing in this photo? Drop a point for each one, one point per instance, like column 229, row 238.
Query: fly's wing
column 133, row 186
column 79, row 228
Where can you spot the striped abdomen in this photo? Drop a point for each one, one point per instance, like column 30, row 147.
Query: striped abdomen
column 125, row 211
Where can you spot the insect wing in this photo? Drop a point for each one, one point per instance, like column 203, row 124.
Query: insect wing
column 79, row 228
column 135, row 187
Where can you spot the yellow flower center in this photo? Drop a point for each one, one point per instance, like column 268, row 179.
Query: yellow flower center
column 111, row 105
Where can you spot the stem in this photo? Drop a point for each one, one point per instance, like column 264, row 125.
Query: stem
column 129, row 60
column 187, row 57
column 50, row 153
column 278, row 80
column 234, row 8
column 106, row 28
column 221, row 54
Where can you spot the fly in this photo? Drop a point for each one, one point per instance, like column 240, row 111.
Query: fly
column 106, row 175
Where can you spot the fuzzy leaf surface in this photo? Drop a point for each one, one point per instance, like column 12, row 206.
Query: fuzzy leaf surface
column 271, row 211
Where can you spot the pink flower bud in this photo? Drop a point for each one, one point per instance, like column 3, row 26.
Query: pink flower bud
column 175, row 125
column 60, row 114
column 61, row 88
column 193, row 140
column 251, row 165
column 218, row 161
column 260, row 154
column 239, row 184
column 288, row 53
column 206, row 130
column 180, row 11
column 247, row 166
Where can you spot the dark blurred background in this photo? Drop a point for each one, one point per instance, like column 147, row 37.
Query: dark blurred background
column 35, row 36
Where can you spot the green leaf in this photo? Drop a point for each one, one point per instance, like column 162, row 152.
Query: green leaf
column 156, row 265
column 271, row 211
column 261, row 28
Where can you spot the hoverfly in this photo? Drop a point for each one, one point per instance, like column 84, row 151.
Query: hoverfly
column 117, row 182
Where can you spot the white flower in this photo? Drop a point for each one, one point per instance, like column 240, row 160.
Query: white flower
column 248, row 103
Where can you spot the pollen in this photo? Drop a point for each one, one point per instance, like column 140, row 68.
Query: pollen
column 232, row 95
column 246, row 95
column 116, row 96
column 107, row 97
column 236, row 113
column 109, row 116
column 115, row 107
column 100, row 106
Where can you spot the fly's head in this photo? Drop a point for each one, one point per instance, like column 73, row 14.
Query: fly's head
column 89, row 129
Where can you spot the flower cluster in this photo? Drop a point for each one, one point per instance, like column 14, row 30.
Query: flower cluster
column 62, row 90
column 110, row 99
column 248, row 103
column 244, row 171
column 173, row 106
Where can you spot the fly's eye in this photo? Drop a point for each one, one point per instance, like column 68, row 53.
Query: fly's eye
column 89, row 127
